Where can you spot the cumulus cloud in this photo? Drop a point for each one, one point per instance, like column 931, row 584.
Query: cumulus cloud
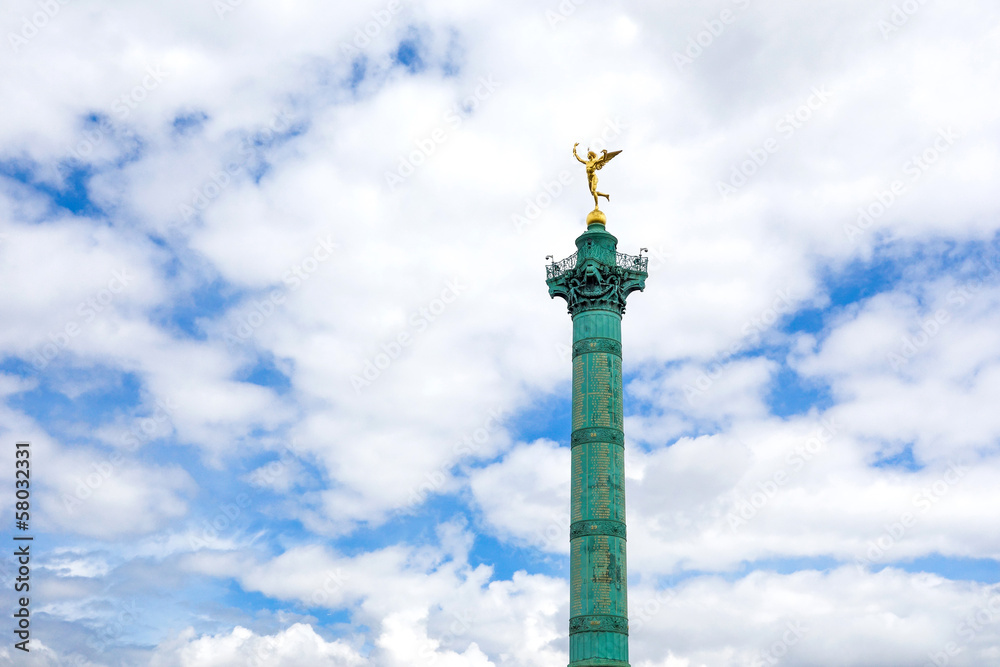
column 296, row 646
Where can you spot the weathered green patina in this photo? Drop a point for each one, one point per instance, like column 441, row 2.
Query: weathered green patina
column 595, row 282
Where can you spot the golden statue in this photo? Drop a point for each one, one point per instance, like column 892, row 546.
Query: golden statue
column 593, row 163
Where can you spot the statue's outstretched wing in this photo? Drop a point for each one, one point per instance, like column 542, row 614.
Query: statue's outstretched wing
column 605, row 159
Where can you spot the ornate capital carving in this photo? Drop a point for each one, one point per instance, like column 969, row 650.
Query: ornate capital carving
column 596, row 277
column 593, row 286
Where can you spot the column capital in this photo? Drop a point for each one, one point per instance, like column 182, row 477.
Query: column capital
column 597, row 276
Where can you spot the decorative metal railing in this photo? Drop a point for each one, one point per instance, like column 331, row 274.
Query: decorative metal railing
column 636, row 263
column 556, row 269
column 632, row 262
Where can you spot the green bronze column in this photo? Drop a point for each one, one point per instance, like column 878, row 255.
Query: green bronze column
column 595, row 283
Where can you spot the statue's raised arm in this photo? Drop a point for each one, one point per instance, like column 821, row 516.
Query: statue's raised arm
column 581, row 160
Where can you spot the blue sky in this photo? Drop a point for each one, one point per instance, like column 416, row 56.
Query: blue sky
column 277, row 328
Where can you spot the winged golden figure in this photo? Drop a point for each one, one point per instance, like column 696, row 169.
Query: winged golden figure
column 593, row 163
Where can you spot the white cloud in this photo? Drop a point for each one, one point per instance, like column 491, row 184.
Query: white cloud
column 428, row 599
column 296, row 646
column 891, row 355
column 526, row 495
column 108, row 495
column 889, row 618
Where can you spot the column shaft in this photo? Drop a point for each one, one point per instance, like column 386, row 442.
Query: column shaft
column 598, row 598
